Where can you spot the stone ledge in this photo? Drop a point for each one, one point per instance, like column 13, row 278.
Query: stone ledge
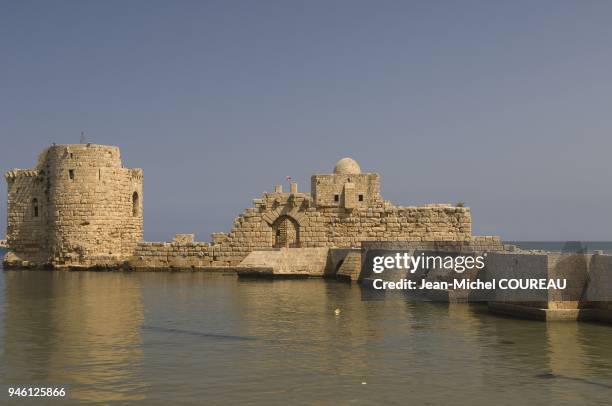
column 535, row 313
column 285, row 262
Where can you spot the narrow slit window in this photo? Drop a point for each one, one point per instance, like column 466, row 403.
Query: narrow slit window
column 71, row 174
column 35, row 207
column 135, row 205
column 361, row 198
column 336, row 198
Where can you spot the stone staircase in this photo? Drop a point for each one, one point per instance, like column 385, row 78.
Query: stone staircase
column 350, row 269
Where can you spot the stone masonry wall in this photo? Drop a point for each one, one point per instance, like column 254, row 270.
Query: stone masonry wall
column 318, row 227
column 325, row 187
column 27, row 215
column 89, row 209
column 89, row 214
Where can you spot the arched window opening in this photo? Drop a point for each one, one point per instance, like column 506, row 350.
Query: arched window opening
column 35, row 207
column 135, row 205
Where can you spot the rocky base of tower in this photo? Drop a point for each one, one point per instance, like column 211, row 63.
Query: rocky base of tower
column 13, row 261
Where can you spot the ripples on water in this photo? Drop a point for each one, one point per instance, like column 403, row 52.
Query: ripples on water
column 167, row 338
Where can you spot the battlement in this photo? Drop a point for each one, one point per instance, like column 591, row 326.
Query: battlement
column 136, row 174
column 15, row 173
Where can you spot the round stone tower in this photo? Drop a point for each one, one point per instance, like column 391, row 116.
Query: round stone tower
column 87, row 205
column 95, row 205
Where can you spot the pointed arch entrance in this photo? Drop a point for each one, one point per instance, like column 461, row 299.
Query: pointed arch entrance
column 286, row 232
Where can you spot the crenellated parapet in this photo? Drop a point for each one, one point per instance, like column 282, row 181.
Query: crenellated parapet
column 136, row 174
column 15, row 173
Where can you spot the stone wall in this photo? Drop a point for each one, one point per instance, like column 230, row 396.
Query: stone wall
column 78, row 208
column 588, row 276
column 339, row 227
column 172, row 255
column 330, row 190
column 318, row 227
column 478, row 245
column 27, row 216
column 89, row 213
column 587, row 296
column 344, row 209
column 521, row 265
column 598, row 293
column 350, row 268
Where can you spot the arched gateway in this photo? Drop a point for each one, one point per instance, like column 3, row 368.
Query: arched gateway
column 286, row 232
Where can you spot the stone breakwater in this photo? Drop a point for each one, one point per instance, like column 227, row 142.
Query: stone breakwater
column 584, row 294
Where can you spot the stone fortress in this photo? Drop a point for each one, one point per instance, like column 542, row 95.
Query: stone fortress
column 79, row 208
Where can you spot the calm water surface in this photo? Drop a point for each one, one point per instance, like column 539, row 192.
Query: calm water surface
column 195, row 338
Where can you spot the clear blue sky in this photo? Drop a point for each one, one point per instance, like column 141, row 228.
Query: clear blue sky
column 506, row 105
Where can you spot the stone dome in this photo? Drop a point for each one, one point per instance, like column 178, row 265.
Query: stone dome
column 347, row 166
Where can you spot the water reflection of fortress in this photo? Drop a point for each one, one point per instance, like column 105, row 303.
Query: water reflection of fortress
column 94, row 336
column 65, row 318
